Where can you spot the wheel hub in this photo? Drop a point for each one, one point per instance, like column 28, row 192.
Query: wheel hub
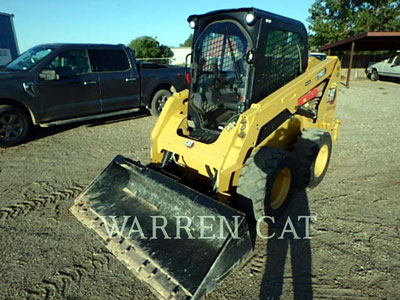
column 161, row 102
column 11, row 127
column 321, row 160
column 280, row 188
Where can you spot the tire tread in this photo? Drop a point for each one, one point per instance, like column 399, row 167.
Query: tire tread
column 254, row 177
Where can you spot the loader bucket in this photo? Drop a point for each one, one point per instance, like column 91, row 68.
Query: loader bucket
column 142, row 215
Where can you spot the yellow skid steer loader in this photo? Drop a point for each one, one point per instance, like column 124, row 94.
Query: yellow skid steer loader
column 259, row 118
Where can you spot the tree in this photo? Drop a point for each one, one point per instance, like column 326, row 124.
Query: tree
column 149, row 47
column 334, row 20
column 188, row 42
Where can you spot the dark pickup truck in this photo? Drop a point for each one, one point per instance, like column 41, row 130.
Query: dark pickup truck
column 56, row 84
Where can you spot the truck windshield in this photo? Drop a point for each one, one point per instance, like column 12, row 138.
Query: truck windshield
column 28, row 59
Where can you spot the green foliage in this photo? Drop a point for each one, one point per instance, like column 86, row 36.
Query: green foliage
column 188, row 42
column 334, row 20
column 149, row 47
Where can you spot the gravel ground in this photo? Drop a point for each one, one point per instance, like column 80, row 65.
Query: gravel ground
column 353, row 252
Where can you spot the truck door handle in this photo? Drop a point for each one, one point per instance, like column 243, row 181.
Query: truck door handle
column 130, row 79
column 89, row 82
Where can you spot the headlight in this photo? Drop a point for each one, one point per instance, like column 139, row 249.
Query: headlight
column 250, row 18
column 192, row 24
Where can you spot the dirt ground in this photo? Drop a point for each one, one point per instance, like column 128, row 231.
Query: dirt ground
column 353, row 252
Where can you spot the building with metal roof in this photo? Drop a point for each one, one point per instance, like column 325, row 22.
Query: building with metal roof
column 367, row 41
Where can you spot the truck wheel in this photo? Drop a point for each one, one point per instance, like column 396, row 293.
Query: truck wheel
column 158, row 102
column 14, row 126
column 266, row 181
column 313, row 152
column 374, row 75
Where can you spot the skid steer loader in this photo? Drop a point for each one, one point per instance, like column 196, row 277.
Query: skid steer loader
column 259, row 118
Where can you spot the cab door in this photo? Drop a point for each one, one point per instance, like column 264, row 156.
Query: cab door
column 75, row 92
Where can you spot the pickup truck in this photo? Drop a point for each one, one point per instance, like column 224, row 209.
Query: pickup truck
column 390, row 67
column 55, row 84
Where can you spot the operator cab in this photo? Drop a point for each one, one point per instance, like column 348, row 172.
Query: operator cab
column 239, row 57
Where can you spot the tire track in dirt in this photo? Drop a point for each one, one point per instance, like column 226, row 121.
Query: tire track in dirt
column 325, row 287
column 364, row 254
column 366, row 242
column 257, row 264
column 66, row 279
column 25, row 207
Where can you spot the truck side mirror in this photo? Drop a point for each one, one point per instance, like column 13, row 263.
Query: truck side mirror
column 48, row 75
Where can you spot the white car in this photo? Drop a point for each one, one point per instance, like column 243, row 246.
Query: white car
column 389, row 67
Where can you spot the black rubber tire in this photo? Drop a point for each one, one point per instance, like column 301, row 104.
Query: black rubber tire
column 257, row 179
column 19, row 122
column 306, row 150
column 158, row 101
column 374, row 75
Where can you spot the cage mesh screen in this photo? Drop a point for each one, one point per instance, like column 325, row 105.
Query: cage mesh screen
column 282, row 60
column 218, row 51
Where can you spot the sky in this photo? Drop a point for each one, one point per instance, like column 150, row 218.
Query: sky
column 120, row 21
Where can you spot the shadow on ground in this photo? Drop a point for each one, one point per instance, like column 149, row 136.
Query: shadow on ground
column 389, row 79
column 285, row 244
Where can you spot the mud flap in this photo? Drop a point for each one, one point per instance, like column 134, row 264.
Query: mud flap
column 179, row 241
